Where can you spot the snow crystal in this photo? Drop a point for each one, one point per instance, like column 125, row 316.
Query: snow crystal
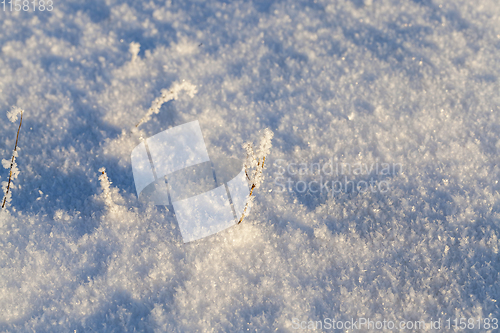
column 14, row 113
column 6, row 163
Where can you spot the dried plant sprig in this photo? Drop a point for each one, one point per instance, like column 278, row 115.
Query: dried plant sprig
column 106, row 190
column 167, row 95
column 12, row 115
column 254, row 166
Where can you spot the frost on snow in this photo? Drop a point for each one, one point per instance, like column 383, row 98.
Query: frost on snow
column 14, row 113
column 347, row 82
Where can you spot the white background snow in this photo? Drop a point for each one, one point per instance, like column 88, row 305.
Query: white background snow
column 410, row 82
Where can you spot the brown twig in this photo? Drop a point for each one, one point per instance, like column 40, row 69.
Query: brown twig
column 12, row 161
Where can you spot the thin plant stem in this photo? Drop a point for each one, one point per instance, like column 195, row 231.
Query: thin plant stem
column 251, row 191
column 12, row 161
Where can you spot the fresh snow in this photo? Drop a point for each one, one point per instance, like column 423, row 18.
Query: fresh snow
column 414, row 83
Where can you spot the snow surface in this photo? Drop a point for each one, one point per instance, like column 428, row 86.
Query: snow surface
column 410, row 82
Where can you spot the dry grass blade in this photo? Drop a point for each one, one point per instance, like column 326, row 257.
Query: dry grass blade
column 12, row 161
column 256, row 161
column 251, row 192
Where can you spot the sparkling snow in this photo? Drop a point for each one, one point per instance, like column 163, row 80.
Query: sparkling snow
column 358, row 81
